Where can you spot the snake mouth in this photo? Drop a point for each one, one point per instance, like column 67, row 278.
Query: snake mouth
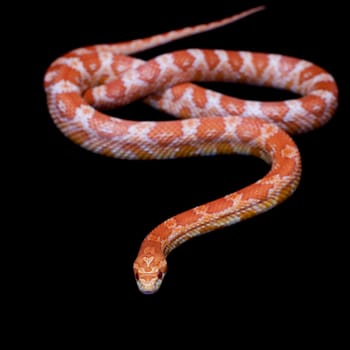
column 148, row 287
column 148, row 292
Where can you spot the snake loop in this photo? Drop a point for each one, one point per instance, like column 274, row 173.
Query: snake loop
column 87, row 80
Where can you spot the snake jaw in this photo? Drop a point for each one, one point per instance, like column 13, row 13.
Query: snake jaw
column 149, row 283
column 148, row 280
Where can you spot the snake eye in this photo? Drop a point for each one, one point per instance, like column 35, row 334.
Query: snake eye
column 136, row 276
column 160, row 274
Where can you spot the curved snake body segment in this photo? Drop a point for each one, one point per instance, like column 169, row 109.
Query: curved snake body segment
column 103, row 77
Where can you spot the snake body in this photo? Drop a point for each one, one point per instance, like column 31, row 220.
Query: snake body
column 87, row 80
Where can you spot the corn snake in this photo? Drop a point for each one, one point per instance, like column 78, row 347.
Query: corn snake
column 104, row 77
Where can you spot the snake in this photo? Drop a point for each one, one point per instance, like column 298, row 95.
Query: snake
column 85, row 82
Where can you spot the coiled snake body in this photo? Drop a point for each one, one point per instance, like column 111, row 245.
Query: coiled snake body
column 104, row 77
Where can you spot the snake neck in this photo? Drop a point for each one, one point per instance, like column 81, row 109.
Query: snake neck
column 279, row 183
column 223, row 212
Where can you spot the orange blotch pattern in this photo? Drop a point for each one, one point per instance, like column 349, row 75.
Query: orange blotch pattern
column 168, row 130
column 314, row 105
column 199, row 97
column 210, row 129
column 184, row 60
column 68, row 103
column 148, row 72
column 232, row 105
column 247, row 134
column 121, row 63
column 260, row 62
column 114, row 90
column 218, row 205
column 177, row 91
column 275, row 111
column 185, row 112
column 211, row 58
column 91, row 63
column 287, row 64
column 309, row 73
column 68, row 74
column 235, row 60
column 327, row 86
column 106, row 126
column 186, row 218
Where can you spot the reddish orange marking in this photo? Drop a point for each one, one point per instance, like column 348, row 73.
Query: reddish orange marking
column 287, row 64
column 199, row 97
column 211, row 59
column 235, row 60
column 260, row 62
column 115, row 90
column 173, row 129
column 326, row 85
column 107, row 127
column 309, row 73
column 198, row 75
column 212, row 128
column 121, row 63
column 187, row 218
column 314, row 105
column 248, row 133
column 99, row 123
column 149, row 72
column 289, row 166
column 185, row 112
column 67, row 73
column 177, row 91
column 274, row 110
column 232, row 105
column 255, row 191
column 183, row 59
column 91, row 63
column 70, row 102
column 218, row 205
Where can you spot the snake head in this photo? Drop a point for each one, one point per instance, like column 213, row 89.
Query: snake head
column 150, row 268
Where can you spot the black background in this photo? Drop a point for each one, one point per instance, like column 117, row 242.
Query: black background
column 90, row 213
